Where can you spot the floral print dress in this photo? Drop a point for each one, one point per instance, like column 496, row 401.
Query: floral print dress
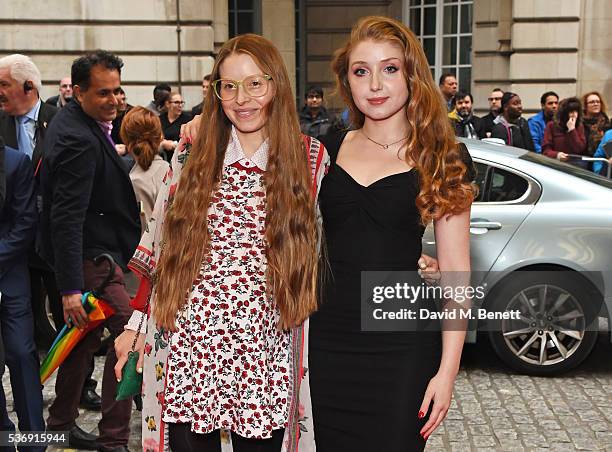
column 229, row 367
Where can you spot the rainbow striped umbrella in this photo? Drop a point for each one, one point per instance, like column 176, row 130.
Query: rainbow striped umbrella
column 97, row 311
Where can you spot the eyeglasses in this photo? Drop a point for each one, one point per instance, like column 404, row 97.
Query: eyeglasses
column 491, row 99
column 177, row 102
column 314, row 96
column 594, row 101
column 254, row 86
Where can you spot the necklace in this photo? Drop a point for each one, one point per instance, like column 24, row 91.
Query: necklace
column 384, row 146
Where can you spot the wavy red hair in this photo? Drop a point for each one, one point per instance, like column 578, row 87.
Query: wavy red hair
column 291, row 232
column 142, row 133
column 431, row 143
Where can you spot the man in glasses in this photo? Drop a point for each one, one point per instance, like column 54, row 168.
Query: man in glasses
column 487, row 121
column 64, row 96
column 315, row 121
column 537, row 123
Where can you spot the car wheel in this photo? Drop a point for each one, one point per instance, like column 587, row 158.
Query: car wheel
column 554, row 332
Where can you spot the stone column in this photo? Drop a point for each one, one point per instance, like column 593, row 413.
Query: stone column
column 278, row 25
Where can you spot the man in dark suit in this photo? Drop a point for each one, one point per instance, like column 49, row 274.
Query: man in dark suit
column 89, row 208
column 19, row 88
column 18, row 219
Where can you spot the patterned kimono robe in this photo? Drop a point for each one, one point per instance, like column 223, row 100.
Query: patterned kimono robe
column 299, row 430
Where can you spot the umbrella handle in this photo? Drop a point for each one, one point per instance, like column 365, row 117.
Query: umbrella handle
column 97, row 292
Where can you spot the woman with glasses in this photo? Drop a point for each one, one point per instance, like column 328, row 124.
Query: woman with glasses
column 595, row 119
column 229, row 260
column 171, row 121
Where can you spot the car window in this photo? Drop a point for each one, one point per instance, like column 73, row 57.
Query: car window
column 506, row 186
column 498, row 185
column 480, row 180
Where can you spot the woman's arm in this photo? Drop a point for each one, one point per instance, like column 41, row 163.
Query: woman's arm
column 548, row 148
column 453, row 251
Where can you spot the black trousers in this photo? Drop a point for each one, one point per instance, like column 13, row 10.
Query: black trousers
column 40, row 279
column 182, row 439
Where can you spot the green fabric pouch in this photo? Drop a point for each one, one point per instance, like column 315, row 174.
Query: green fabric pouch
column 131, row 380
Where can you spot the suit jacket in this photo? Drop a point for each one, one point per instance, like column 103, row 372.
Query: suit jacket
column 8, row 130
column 89, row 206
column 18, row 219
column 486, row 124
column 2, row 175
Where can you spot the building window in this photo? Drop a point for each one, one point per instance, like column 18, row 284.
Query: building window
column 444, row 28
column 300, row 51
column 244, row 17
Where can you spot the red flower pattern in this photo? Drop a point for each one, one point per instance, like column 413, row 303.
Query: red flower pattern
column 229, row 364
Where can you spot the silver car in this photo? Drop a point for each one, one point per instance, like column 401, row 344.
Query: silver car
column 541, row 234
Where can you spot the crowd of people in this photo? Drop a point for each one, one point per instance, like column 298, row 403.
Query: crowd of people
column 566, row 129
column 220, row 213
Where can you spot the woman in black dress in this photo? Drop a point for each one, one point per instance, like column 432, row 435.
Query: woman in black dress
column 171, row 121
column 400, row 169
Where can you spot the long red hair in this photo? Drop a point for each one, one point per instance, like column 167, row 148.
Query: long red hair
column 431, row 144
column 291, row 232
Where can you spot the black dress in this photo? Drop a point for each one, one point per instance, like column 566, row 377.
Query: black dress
column 367, row 387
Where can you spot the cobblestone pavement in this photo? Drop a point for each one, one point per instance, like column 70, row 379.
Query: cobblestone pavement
column 493, row 409
column 496, row 410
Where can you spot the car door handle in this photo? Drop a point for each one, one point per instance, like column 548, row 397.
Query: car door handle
column 485, row 224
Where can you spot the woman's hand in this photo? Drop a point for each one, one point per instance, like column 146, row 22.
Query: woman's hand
column 190, row 130
column 571, row 122
column 123, row 345
column 428, row 269
column 168, row 145
column 440, row 390
column 562, row 156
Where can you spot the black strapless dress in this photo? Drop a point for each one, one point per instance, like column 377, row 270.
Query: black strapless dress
column 367, row 387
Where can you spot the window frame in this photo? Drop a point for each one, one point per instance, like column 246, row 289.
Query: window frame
column 529, row 197
column 232, row 17
column 438, row 68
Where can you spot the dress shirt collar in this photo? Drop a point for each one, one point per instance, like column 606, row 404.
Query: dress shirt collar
column 33, row 113
column 235, row 153
column 106, row 126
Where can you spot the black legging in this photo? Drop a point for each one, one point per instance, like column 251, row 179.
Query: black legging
column 182, row 439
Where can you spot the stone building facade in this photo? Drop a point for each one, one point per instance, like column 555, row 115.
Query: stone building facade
column 170, row 41
column 533, row 46
column 527, row 46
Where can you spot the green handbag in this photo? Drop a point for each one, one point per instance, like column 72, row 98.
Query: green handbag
column 131, row 380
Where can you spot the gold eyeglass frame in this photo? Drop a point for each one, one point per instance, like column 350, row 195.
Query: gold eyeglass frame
column 240, row 83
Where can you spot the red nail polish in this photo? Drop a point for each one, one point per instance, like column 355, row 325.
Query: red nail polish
column 421, row 415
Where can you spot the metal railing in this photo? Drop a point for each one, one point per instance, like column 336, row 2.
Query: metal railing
column 593, row 159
